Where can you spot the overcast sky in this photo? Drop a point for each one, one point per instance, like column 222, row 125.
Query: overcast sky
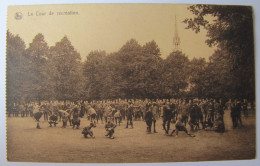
column 109, row 26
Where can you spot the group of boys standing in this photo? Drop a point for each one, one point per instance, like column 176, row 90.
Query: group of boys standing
column 208, row 112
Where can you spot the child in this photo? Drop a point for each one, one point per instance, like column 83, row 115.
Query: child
column 179, row 126
column 53, row 119
column 110, row 128
column 118, row 117
column 87, row 131
column 65, row 118
column 37, row 117
column 208, row 123
column 217, row 126
column 149, row 120
column 75, row 116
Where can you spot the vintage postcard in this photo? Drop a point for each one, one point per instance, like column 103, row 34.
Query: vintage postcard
column 130, row 83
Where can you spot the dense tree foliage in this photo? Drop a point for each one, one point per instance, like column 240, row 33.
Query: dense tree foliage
column 175, row 74
column 138, row 71
column 15, row 68
column 198, row 78
column 132, row 72
column 231, row 29
column 66, row 71
column 37, row 74
column 95, row 74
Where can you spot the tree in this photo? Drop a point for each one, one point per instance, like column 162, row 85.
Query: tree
column 114, row 84
column 15, row 71
column 220, row 79
column 129, row 56
column 175, row 74
column 67, row 71
column 95, row 74
column 132, row 72
column 37, row 73
column 231, row 29
column 198, row 81
column 139, row 69
column 152, row 69
column 38, row 77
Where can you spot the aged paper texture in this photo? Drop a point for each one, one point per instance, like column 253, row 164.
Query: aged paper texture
column 130, row 83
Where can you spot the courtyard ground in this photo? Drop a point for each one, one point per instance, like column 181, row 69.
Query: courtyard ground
column 25, row 143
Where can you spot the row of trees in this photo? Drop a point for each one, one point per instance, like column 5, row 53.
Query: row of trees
column 40, row 72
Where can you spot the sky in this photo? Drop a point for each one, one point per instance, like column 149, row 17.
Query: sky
column 109, row 26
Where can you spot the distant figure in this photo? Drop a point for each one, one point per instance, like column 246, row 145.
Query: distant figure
column 45, row 111
column 236, row 113
column 150, row 117
column 156, row 115
column 210, row 110
column 184, row 112
column 149, row 120
column 244, row 108
column 100, row 111
column 238, row 110
column 75, row 117
column 129, row 115
column 21, row 108
column 37, row 114
column 167, row 116
column 233, row 114
column 118, row 117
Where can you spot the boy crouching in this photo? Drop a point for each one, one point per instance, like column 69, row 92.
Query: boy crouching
column 179, row 126
column 87, row 131
column 53, row 120
column 64, row 121
column 110, row 128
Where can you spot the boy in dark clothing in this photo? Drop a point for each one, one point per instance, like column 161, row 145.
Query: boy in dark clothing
column 87, row 131
column 65, row 119
column 236, row 113
column 233, row 114
column 167, row 116
column 75, row 117
column 149, row 120
column 179, row 126
column 129, row 115
column 219, row 125
column 238, row 110
column 110, row 128
column 208, row 123
column 53, row 119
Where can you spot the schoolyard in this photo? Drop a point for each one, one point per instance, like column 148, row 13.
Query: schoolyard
column 25, row 143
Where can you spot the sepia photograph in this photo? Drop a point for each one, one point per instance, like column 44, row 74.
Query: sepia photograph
column 130, row 83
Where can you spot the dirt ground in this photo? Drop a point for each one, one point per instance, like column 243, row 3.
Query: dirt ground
column 25, row 143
